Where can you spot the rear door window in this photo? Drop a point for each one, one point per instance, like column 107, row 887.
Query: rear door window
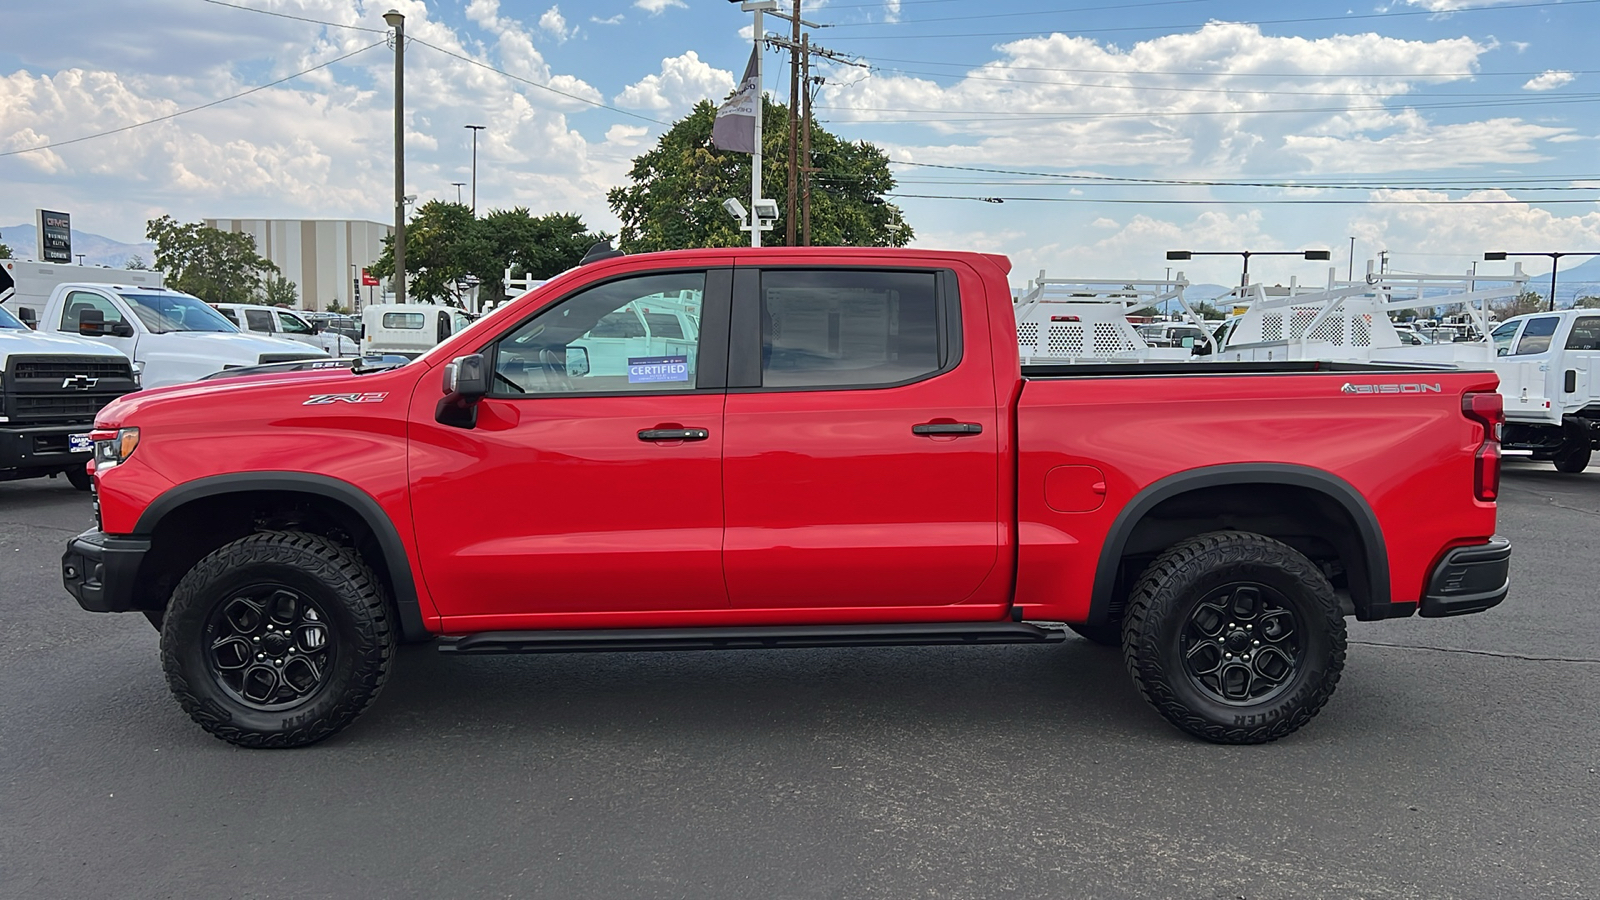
column 258, row 320
column 844, row 328
column 1536, row 335
column 1585, row 334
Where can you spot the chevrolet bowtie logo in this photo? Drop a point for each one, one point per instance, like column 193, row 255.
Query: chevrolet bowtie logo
column 81, row 382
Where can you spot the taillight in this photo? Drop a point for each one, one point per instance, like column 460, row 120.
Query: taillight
column 1488, row 410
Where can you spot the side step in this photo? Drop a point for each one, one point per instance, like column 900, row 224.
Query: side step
column 761, row 637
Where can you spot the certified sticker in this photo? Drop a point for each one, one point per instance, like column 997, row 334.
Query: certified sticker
column 651, row 369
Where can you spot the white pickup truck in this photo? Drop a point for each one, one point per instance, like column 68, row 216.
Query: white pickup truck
column 51, row 387
column 275, row 321
column 171, row 336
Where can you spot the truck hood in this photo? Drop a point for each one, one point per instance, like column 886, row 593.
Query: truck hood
column 241, row 349
column 247, row 391
column 14, row 341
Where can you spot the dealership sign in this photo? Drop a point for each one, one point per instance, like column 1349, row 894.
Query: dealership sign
column 55, row 236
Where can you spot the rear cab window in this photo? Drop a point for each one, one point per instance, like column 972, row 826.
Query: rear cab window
column 1585, row 334
column 833, row 329
column 404, row 321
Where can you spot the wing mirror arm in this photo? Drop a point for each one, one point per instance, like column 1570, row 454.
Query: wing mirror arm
column 465, row 382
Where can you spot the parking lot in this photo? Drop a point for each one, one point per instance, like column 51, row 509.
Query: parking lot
column 1458, row 758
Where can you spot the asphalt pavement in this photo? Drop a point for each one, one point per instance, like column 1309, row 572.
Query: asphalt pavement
column 1458, row 759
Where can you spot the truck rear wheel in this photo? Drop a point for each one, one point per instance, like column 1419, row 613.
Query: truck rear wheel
column 1234, row 637
column 1573, row 455
column 279, row 639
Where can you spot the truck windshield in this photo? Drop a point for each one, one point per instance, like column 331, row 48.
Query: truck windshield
column 8, row 321
column 162, row 313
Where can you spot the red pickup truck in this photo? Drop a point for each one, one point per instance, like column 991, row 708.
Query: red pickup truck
column 721, row 449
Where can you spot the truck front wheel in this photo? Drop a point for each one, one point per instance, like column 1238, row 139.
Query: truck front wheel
column 1234, row 637
column 1573, row 455
column 278, row 639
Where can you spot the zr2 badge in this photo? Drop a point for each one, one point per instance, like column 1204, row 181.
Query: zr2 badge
column 326, row 399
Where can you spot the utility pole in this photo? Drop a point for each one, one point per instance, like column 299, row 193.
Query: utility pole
column 794, row 129
column 805, row 125
column 398, row 23
column 475, row 129
column 1351, row 276
column 1383, row 262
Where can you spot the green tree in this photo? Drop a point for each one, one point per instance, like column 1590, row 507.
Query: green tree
column 446, row 246
column 1588, row 302
column 5, row 252
column 279, row 291
column 216, row 266
column 675, row 199
column 1525, row 302
column 136, row 263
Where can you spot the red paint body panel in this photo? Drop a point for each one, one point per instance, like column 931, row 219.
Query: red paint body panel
column 804, row 507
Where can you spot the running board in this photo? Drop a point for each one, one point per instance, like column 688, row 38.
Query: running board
column 763, row 637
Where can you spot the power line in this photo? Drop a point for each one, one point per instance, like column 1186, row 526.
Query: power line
column 1185, row 90
column 268, row 12
column 1121, row 28
column 1477, row 184
column 184, row 112
column 1168, row 202
column 1228, row 72
column 1283, row 186
column 1037, row 12
column 535, row 84
column 1025, row 117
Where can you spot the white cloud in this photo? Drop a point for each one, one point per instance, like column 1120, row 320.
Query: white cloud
column 613, row 20
column 484, row 12
column 555, row 24
column 683, row 81
column 891, row 10
column 657, row 7
column 626, row 135
column 1549, row 81
column 1419, row 145
column 1445, row 6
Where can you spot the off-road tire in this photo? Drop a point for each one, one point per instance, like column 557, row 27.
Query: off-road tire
column 78, row 478
column 1106, row 634
column 1171, row 591
column 360, row 640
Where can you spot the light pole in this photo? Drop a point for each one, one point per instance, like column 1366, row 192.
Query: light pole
column 1351, row 275
column 1555, row 262
column 398, row 22
column 475, row 129
column 458, row 185
column 1244, row 280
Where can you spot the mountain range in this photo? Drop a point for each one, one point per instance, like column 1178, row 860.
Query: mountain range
column 97, row 250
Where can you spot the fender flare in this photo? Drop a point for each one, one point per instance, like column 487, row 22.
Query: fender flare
column 396, row 560
column 1335, row 488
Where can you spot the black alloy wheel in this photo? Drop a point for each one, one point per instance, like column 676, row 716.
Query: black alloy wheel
column 269, row 646
column 1241, row 644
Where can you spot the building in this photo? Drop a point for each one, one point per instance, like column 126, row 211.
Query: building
column 323, row 257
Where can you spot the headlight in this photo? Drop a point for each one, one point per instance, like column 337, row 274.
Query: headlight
column 113, row 447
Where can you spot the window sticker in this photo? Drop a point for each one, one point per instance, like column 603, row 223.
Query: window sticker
column 650, row 369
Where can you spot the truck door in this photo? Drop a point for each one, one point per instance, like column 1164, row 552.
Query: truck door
column 79, row 302
column 1580, row 364
column 861, row 461
column 581, row 489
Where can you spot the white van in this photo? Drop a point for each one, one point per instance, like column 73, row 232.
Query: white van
column 408, row 329
column 171, row 337
column 275, row 321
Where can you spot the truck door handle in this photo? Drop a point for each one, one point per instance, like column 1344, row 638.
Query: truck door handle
column 947, row 428
column 674, row 434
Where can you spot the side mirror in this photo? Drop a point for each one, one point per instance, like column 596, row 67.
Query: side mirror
column 577, row 362
column 91, row 323
column 26, row 316
column 121, row 329
column 466, row 381
column 319, row 326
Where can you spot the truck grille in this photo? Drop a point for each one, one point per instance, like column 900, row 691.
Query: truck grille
column 62, row 389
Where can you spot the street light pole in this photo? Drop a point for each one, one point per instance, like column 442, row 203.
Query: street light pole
column 1245, row 278
column 1555, row 263
column 475, row 129
column 398, row 22
column 458, row 185
column 1351, row 275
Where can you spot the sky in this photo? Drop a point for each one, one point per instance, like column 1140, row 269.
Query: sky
column 1113, row 132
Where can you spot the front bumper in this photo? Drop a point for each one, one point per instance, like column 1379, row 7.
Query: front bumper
column 41, row 446
column 99, row 570
column 1469, row 579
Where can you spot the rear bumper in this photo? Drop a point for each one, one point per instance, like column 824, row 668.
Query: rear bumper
column 99, row 569
column 1469, row 579
column 41, row 446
